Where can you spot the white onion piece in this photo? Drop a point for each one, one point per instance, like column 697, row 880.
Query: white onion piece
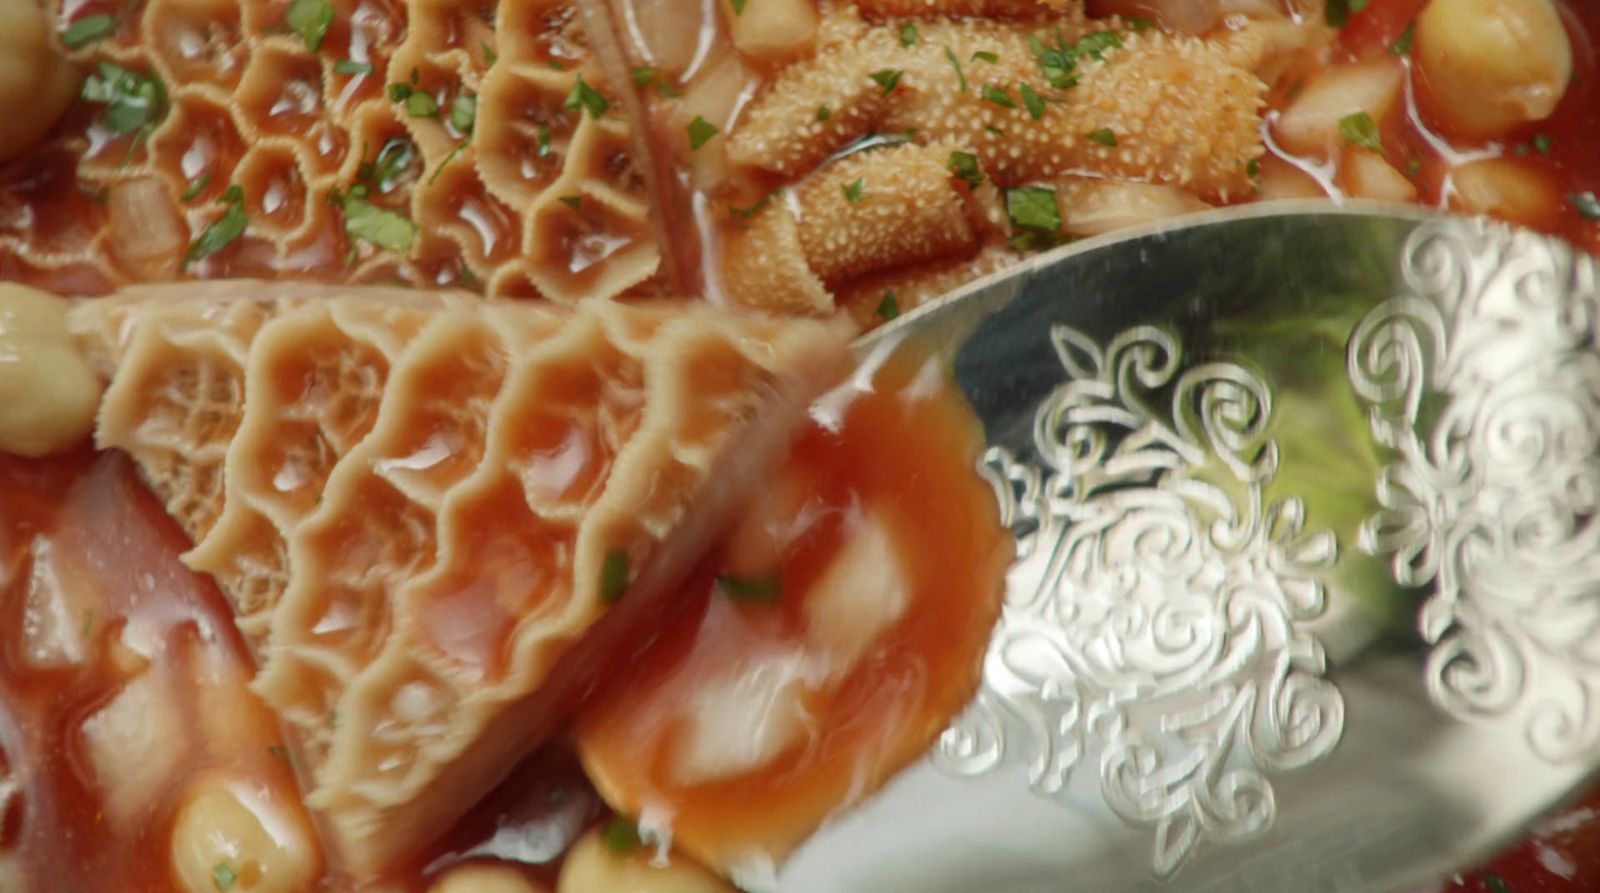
column 1310, row 125
column 148, row 236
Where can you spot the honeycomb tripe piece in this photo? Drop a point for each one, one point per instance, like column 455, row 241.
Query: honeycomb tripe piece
column 440, row 520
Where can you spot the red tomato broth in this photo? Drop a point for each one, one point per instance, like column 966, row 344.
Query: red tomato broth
column 907, row 460
column 111, row 543
column 1573, row 130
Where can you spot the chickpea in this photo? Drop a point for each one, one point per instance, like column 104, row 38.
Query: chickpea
column 482, row 877
column 48, row 392
column 594, row 867
column 256, row 845
column 1493, row 64
column 36, row 82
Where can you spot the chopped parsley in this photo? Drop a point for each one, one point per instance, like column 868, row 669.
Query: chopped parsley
column 490, row 57
column 454, row 153
column 985, row 56
column 464, row 113
column 586, row 97
column 374, row 225
column 956, row 63
column 1542, row 143
column 738, row 7
column 89, row 29
column 281, row 752
column 621, row 834
column 575, row 202
column 964, row 165
column 1494, row 883
column 310, row 19
column 1033, row 208
column 1402, row 44
column 1139, row 23
column 700, row 132
column 197, row 187
column 223, row 231
column 889, row 307
column 1031, row 101
column 1103, row 136
column 824, row 113
column 421, row 104
column 1252, row 168
column 908, row 34
column 134, row 100
column 887, row 78
column 751, row 211
column 223, row 876
column 394, row 159
column 614, row 577
column 854, row 192
column 1360, row 130
column 751, row 589
column 544, row 140
column 1058, row 63
column 1414, row 165
column 1338, row 12
column 352, row 67
column 1095, row 43
column 999, row 97
column 1587, row 204
column 644, row 76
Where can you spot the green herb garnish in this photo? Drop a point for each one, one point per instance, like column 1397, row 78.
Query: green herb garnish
column 1031, row 101
column 352, row 67
column 753, row 589
column 587, row 97
column 824, row 113
column 1338, row 12
column 738, row 7
column 985, row 56
column 383, row 172
column 956, row 63
column 1542, row 143
column 544, row 140
column 464, row 113
column 134, row 100
column 1402, row 44
column 1494, row 883
column 195, row 188
column 999, row 97
column 964, row 165
column 621, row 834
column 1033, row 208
column 575, row 202
column 1360, row 130
column 1095, row 43
column 377, row 226
column 89, row 29
column 887, row 78
column 223, row 876
column 223, row 231
column 700, row 132
column 421, row 104
column 854, row 192
column 889, row 307
column 1587, row 205
column 490, row 57
column 1252, row 168
column 643, row 76
column 1103, row 136
column 454, row 153
column 614, row 577
column 908, row 34
column 310, row 19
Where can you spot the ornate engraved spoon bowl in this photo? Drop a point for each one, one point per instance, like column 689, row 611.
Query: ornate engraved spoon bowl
column 1309, row 588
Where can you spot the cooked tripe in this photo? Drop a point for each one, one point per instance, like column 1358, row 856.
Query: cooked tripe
column 439, row 519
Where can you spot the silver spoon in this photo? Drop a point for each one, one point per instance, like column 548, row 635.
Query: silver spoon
column 1309, row 595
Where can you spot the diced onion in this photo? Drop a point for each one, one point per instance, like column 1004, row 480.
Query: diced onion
column 1503, row 188
column 1367, row 175
column 148, row 236
column 1310, row 125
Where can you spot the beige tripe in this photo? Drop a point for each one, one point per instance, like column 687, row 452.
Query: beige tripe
column 421, row 505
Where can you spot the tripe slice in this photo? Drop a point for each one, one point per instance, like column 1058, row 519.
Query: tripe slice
column 441, row 520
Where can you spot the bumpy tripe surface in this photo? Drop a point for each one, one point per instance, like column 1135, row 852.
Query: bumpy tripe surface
column 437, row 517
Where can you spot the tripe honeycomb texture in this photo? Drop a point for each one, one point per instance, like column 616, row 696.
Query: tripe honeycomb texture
column 419, row 505
column 533, row 199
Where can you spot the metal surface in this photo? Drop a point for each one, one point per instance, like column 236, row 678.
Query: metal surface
column 1309, row 588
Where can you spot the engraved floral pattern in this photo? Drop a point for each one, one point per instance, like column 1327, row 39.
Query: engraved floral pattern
column 1485, row 380
column 1154, row 615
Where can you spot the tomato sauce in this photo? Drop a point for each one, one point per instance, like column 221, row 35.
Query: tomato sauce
column 122, row 680
column 899, row 468
column 1559, row 150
